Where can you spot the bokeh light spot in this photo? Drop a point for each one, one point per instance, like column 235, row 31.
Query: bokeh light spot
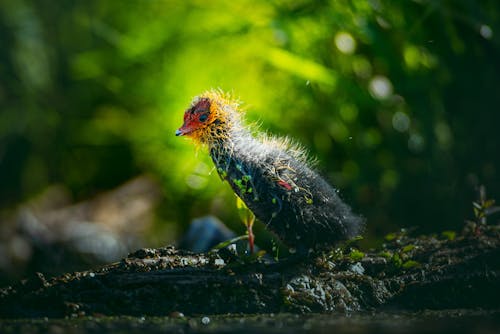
column 389, row 179
column 485, row 31
column 345, row 42
column 362, row 67
column 339, row 131
column 371, row 138
column 380, row 87
column 411, row 56
column 348, row 112
column 443, row 135
column 401, row 121
column 416, row 142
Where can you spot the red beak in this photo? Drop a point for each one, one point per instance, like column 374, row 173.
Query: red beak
column 183, row 130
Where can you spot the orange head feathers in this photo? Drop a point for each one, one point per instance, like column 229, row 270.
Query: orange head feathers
column 209, row 117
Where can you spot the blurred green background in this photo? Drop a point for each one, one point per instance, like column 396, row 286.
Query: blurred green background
column 399, row 101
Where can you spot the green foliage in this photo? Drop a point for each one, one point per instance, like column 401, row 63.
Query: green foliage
column 390, row 236
column 410, row 264
column 408, row 248
column 226, row 243
column 385, row 254
column 450, row 235
column 396, row 260
column 246, row 216
column 484, row 207
column 356, row 255
column 396, row 99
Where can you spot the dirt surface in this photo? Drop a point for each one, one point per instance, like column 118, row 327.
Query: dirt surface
column 408, row 273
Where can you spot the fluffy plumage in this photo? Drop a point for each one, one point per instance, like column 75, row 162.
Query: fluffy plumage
column 271, row 175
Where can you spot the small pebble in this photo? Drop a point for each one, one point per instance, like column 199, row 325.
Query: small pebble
column 176, row 314
column 357, row 268
column 232, row 248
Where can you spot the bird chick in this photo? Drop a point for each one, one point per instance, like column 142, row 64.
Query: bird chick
column 271, row 175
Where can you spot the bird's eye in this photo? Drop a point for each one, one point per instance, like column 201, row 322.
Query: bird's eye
column 203, row 117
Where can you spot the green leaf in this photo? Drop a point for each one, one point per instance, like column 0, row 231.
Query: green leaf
column 488, row 203
column 385, row 254
column 226, row 243
column 390, row 236
column 410, row 264
column 356, row 255
column 396, row 260
column 408, row 248
column 477, row 205
column 246, row 216
column 450, row 235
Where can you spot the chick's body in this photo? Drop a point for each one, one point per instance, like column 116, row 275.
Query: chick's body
column 272, row 176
